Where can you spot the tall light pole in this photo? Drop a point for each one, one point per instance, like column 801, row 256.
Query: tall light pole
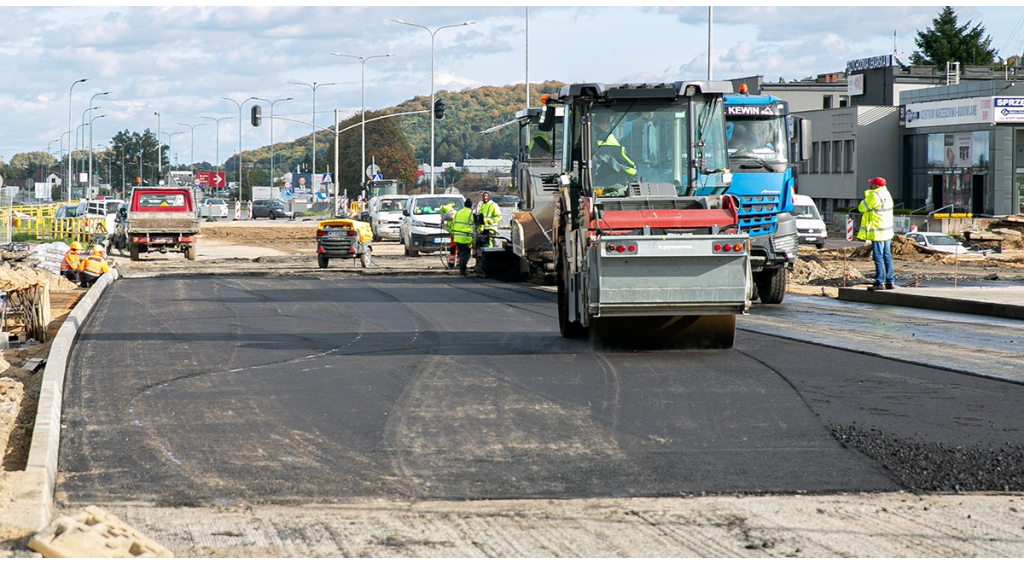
column 432, row 33
column 71, row 168
column 80, row 131
column 239, row 104
column 362, row 106
column 192, row 146
column 159, row 151
column 272, row 133
column 218, row 148
column 169, row 137
column 313, row 87
column 90, row 137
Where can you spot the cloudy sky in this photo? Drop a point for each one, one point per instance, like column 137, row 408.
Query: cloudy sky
column 182, row 61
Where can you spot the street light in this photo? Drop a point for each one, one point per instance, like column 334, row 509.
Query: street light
column 314, row 86
column 362, row 106
column 169, row 137
column 80, row 132
column 90, row 137
column 432, row 33
column 159, row 151
column 272, row 133
column 218, row 149
column 192, row 146
column 71, row 168
column 239, row 104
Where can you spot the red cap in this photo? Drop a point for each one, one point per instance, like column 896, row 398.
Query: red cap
column 876, row 181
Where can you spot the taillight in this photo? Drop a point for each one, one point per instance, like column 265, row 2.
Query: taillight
column 621, row 248
column 351, row 251
column 724, row 247
column 350, row 233
column 320, row 233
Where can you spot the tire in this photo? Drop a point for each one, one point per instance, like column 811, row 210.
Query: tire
column 568, row 329
column 820, row 245
column 364, row 258
column 190, row 252
column 771, row 285
column 322, row 261
column 405, row 249
column 134, row 252
column 271, row 215
column 412, row 252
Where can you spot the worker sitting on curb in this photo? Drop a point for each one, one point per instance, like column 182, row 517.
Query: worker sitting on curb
column 92, row 267
column 69, row 265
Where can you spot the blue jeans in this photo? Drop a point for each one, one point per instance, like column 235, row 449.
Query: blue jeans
column 881, row 252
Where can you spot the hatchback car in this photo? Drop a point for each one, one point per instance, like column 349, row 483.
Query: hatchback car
column 270, row 209
column 937, row 242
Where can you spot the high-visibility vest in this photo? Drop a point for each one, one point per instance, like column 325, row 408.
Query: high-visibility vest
column 876, row 221
column 94, row 265
column 462, row 226
column 627, row 165
column 491, row 213
column 71, row 260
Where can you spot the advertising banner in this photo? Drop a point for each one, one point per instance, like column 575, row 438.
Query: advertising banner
column 949, row 112
column 1008, row 109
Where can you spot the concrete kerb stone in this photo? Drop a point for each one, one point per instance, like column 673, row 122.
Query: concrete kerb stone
column 33, row 504
column 952, row 304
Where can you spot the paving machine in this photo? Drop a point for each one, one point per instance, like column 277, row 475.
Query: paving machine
column 639, row 260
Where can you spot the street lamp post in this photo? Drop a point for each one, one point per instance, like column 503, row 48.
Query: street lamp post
column 432, row 33
column 71, row 168
column 362, row 106
column 80, row 131
column 239, row 104
column 192, row 146
column 90, row 137
column 272, row 133
column 159, row 151
column 218, row 146
column 313, row 87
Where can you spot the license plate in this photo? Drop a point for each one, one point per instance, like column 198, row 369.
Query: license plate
column 161, row 240
column 441, row 240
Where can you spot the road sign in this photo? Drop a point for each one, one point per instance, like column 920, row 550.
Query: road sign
column 372, row 170
column 377, row 177
column 210, row 178
column 325, row 178
column 321, row 196
column 287, row 183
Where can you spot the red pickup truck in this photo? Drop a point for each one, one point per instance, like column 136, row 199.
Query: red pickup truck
column 161, row 219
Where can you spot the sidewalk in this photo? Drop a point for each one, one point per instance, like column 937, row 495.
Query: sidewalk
column 994, row 301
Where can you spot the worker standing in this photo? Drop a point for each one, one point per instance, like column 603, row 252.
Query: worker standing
column 92, row 267
column 491, row 214
column 69, row 265
column 876, row 226
column 462, row 233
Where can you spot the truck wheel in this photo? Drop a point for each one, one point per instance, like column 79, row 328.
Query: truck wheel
column 322, row 261
column 568, row 329
column 364, row 258
column 190, row 252
column 133, row 250
column 771, row 285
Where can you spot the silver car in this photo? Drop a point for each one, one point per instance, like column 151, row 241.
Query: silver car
column 213, row 208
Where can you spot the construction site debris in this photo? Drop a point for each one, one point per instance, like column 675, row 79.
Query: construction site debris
column 94, row 533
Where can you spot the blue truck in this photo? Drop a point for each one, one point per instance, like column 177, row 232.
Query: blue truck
column 764, row 144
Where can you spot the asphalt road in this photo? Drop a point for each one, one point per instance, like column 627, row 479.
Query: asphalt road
column 210, row 391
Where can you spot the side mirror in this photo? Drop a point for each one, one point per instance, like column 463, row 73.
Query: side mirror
column 547, row 119
column 405, row 213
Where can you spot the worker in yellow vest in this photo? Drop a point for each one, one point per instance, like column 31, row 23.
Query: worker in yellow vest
column 462, row 233
column 491, row 215
column 876, row 226
column 69, row 265
column 92, row 267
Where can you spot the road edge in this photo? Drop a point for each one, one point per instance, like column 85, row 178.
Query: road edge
column 32, row 504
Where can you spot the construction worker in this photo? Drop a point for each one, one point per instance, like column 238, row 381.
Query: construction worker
column 540, row 146
column 876, row 226
column 491, row 214
column 612, row 165
column 462, row 233
column 69, row 265
column 92, row 267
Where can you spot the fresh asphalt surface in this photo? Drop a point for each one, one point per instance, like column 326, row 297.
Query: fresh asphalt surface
column 216, row 390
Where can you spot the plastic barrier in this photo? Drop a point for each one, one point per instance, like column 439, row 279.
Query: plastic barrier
column 238, row 209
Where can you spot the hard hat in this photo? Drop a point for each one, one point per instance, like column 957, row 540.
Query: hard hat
column 877, row 181
column 76, row 246
column 97, row 250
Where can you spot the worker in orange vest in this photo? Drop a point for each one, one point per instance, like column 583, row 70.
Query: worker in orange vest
column 69, row 265
column 92, row 267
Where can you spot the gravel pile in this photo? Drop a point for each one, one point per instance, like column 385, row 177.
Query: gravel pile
column 930, row 467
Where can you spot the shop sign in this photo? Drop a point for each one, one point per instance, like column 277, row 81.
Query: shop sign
column 1008, row 109
column 855, row 85
column 879, row 62
column 949, row 112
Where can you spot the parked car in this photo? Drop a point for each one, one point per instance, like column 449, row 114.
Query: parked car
column 937, row 242
column 213, row 208
column 386, row 215
column 809, row 225
column 270, row 209
column 421, row 230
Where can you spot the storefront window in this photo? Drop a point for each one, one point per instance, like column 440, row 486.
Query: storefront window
column 1018, row 163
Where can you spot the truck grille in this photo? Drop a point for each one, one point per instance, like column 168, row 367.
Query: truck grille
column 758, row 214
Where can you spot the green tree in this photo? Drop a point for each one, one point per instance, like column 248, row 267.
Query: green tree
column 947, row 42
column 139, row 153
column 386, row 145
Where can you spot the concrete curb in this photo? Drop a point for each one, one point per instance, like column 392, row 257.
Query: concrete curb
column 906, row 298
column 33, row 504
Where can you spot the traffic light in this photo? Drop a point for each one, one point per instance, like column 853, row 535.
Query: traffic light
column 257, row 115
column 439, row 109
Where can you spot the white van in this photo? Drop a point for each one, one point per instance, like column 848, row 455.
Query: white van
column 421, row 230
column 386, row 215
column 809, row 225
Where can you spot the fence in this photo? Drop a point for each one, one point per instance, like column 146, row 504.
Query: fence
column 38, row 222
column 903, row 223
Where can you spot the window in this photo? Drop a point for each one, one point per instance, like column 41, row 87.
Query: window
column 826, row 102
column 844, row 101
column 815, row 157
column 848, row 154
column 837, row 156
column 826, row 156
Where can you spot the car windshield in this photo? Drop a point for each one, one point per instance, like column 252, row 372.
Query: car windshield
column 758, row 138
column 940, row 240
column 431, row 206
column 392, row 205
column 112, row 207
column 214, row 201
column 806, row 212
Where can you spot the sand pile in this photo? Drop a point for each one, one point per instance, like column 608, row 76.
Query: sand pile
column 21, row 277
column 810, row 270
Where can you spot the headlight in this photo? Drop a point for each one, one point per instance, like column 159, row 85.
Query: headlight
column 417, row 223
